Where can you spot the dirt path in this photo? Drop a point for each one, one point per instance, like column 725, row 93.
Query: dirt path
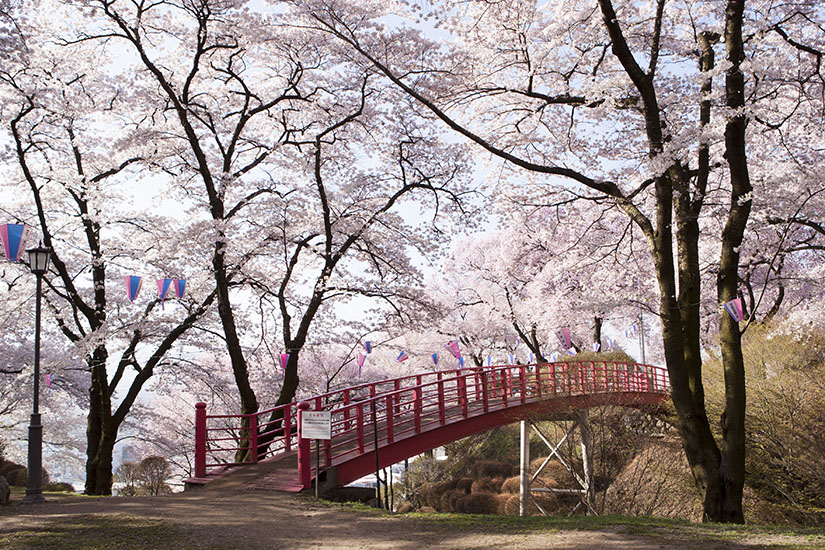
column 241, row 518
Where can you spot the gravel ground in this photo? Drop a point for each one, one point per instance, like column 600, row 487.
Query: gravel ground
column 237, row 517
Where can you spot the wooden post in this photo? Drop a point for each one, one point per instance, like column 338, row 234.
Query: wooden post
column 200, row 439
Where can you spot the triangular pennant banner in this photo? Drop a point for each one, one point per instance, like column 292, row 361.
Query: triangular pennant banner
column 14, row 237
column 284, row 361
column 402, row 356
column 734, row 308
column 368, row 346
column 180, row 287
column 435, row 359
column 133, row 284
column 163, row 290
column 361, row 358
column 452, row 345
column 460, row 363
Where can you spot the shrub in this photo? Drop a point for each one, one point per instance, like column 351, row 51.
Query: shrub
column 464, row 484
column 511, row 485
column 448, row 500
column 59, row 487
column 477, row 503
column 492, row 468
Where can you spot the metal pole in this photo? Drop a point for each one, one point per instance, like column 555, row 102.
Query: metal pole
column 524, row 470
column 34, row 483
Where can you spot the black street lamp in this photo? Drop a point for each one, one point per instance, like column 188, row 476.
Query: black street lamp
column 39, row 264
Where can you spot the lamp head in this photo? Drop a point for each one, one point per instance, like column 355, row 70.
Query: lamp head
column 39, row 259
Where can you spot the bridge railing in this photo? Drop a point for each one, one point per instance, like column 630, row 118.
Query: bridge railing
column 389, row 410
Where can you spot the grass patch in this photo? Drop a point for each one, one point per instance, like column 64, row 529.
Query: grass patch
column 710, row 535
column 87, row 532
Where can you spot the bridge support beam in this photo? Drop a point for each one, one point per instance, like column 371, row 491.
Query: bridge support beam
column 524, row 469
column 585, row 481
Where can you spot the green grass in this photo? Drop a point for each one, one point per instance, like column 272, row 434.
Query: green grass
column 120, row 532
column 711, row 535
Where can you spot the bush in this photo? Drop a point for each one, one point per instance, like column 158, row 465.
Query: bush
column 511, row 485
column 477, row 503
column 492, row 468
column 18, row 475
column 485, row 485
column 464, row 484
column 59, row 487
column 449, row 499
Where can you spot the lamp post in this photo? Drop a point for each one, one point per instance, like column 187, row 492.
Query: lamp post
column 39, row 264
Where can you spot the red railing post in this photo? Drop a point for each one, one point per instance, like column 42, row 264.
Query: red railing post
column 253, row 438
column 538, row 380
column 485, row 397
column 286, row 425
column 347, row 423
column 397, row 398
column 477, row 380
column 523, row 382
column 304, row 453
column 388, row 411
column 359, row 425
column 462, row 395
column 417, row 405
column 442, row 417
column 505, row 385
column 200, row 439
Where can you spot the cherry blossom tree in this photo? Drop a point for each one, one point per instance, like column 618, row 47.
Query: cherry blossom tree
column 285, row 151
column 668, row 109
column 69, row 184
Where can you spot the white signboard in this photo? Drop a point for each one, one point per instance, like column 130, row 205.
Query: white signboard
column 316, row 425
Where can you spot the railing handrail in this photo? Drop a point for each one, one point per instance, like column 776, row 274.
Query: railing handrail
column 279, row 434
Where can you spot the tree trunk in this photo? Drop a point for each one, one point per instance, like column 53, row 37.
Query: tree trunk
column 98, row 468
column 597, row 332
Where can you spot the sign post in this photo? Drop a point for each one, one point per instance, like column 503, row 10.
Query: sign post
column 316, row 425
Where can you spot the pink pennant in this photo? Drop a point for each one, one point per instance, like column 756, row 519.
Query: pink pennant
column 361, row 358
column 734, row 308
column 14, row 236
column 180, row 287
column 133, row 284
column 163, row 290
column 452, row 345
column 284, row 360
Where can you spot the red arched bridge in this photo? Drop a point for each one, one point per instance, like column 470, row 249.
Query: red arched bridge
column 407, row 416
